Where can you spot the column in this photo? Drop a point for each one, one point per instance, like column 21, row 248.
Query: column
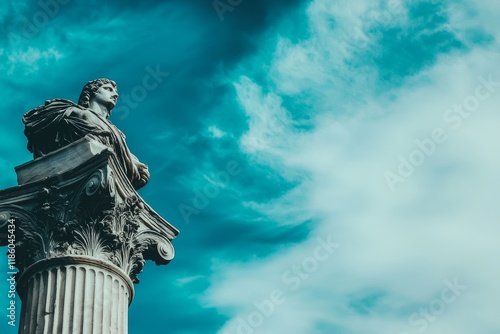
column 74, row 295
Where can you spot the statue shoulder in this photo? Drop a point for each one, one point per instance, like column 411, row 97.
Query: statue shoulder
column 51, row 108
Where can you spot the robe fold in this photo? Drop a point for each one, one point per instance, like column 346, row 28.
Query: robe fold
column 59, row 122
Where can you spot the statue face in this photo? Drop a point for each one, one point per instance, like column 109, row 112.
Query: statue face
column 106, row 95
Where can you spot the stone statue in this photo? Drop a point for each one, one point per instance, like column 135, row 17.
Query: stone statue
column 60, row 122
column 74, row 226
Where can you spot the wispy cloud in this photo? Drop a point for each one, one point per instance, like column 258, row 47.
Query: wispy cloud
column 397, row 248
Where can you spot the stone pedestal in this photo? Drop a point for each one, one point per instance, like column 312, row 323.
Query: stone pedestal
column 82, row 235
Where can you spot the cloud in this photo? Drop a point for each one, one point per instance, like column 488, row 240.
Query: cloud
column 31, row 58
column 400, row 251
column 216, row 132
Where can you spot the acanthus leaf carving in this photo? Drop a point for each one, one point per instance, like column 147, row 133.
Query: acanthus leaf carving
column 44, row 236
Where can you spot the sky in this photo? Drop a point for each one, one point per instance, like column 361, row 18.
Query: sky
column 332, row 166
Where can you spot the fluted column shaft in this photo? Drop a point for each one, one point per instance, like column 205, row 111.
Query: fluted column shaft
column 74, row 295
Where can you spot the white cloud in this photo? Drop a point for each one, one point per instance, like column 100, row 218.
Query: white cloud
column 187, row 280
column 398, row 247
column 215, row 132
column 31, row 59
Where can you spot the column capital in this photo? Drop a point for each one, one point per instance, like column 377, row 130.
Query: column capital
column 77, row 201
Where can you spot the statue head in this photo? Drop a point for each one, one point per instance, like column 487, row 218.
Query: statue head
column 90, row 89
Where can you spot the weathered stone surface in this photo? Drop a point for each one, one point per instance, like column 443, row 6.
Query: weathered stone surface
column 86, row 206
column 78, row 295
column 60, row 161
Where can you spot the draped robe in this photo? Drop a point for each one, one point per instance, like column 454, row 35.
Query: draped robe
column 59, row 122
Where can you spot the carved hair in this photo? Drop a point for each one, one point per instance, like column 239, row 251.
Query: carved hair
column 91, row 88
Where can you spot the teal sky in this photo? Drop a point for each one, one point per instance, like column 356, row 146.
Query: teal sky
column 363, row 137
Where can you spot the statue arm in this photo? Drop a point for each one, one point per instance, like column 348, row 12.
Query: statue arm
column 143, row 172
column 140, row 171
